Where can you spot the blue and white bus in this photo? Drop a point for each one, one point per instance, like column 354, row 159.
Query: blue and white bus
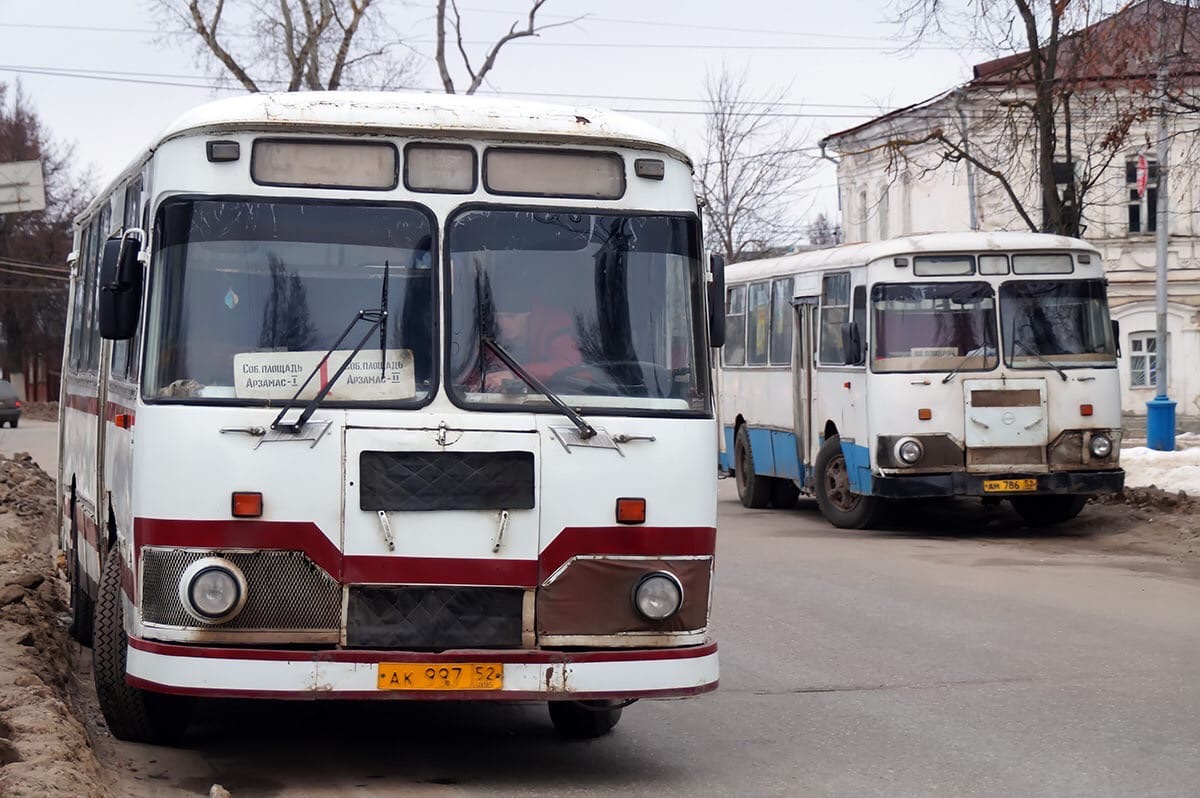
column 952, row 364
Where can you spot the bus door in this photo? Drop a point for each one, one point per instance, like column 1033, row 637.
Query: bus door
column 802, row 349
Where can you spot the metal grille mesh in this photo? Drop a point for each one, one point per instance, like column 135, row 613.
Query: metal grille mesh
column 284, row 590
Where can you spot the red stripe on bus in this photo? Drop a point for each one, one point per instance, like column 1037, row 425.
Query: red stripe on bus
column 517, row 657
column 91, row 406
column 307, row 537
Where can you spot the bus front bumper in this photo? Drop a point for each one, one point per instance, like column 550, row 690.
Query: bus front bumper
column 529, row 675
column 916, row 486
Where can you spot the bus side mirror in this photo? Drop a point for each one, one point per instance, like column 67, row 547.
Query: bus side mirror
column 852, row 344
column 716, row 302
column 1116, row 328
column 120, row 287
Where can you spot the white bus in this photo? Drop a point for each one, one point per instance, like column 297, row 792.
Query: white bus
column 957, row 364
column 392, row 396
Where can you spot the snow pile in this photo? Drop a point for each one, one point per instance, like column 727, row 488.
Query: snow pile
column 1170, row 471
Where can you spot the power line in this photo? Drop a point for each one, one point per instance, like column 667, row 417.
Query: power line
column 26, row 264
column 31, row 275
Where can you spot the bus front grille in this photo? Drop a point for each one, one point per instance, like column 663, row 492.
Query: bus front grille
column 285, row 590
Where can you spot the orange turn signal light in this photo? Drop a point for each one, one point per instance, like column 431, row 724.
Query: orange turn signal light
column 631, row 511
column 123, row 420
column 924, row 414
column 247, row 504
column 1085, row 410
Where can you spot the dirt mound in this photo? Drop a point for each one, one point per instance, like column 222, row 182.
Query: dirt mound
column 42, row 411
column 1152, row 498
column 44, row 750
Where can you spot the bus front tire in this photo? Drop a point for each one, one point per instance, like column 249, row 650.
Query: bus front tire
column 1048, row 510
column 583, row 720
column 753, row 490
column 838, row 503
column 131, row 714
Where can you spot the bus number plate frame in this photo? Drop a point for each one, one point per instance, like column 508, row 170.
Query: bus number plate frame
column 451, row 676
column 1010, row 485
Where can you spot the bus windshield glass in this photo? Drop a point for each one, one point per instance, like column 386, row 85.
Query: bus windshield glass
column 247, row 296
column 601, row 309
column 1063, row 322
column 934, row 327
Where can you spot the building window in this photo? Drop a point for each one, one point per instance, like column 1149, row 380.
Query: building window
column 885, row 209
column 735, row 326
column 862, row 215
column 1143, row 197
column 1143, row 360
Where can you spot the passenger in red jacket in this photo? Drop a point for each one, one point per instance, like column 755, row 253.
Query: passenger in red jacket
column 541, row 338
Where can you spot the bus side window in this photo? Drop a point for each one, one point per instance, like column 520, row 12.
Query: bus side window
column 781, row 321
column 758, row 324
column 734, row 353
column 859, row 310
column 835, row 311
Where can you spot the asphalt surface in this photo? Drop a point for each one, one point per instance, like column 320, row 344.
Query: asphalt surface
column 39, row 438
column 951, row 657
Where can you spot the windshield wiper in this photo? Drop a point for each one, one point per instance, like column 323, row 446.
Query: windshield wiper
column 378, row 319
column 586, row 430
column 1041, row 357
column 959, row 367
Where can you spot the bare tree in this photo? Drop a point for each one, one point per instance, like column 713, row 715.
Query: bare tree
column 34, row 246
column 292, row 44
column 753, row 165
column 322, row 44
column 477, row 75
column 1073, row 91
column 822, row 233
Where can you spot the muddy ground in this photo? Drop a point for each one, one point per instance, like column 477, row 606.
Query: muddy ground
column 45, row 749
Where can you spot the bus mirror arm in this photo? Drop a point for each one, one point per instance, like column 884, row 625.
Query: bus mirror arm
column 1116, row 330
column 716, row 301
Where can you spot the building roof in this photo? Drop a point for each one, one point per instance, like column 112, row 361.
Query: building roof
column 410, row 113
column 1125, row 47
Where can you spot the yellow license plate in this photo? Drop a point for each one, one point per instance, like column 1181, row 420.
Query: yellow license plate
column 441, row 676
column 1009, row 485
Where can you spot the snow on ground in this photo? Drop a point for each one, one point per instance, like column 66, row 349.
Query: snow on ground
column 1170, row 471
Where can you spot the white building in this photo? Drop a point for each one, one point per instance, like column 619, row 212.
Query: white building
column 894, row 178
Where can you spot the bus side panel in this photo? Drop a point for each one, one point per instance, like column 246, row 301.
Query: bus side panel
column 783, row 446
column 725, row 456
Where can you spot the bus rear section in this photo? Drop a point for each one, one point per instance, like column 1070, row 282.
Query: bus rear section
column 979, row 365
column 441, row 437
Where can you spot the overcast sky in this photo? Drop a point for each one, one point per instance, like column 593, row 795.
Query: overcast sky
column 94, row 70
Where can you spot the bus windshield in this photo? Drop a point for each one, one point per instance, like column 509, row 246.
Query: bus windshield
column 247, row 296
column 934, row 327
column 602, row 309
column 1063, row 323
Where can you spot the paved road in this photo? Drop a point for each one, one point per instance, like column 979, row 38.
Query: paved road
column 39, row 438
column 900, row 663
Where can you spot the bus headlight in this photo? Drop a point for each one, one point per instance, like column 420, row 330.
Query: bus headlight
column 909, row 451
column 212, row 590
column 1101, row 446
column 658, row 596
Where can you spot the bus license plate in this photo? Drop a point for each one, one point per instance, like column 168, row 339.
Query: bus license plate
column 442, row 676
column 1009, row 485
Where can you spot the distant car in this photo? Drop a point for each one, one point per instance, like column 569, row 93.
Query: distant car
column 10, row 405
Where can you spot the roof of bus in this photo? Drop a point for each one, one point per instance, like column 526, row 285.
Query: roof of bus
column 861, row 254
column 422, row 114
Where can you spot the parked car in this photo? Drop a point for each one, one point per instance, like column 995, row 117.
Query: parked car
column 10, row 405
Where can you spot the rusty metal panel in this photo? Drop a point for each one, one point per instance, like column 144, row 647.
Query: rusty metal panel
column 1016, row 456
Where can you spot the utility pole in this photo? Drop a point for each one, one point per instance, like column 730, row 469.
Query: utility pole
column 1160, row 411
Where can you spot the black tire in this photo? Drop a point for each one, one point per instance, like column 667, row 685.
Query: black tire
column 131, row 714
column 842, row 507
column 1048, row 510
column 83, row 608
column 14, row 423
column 583, row 720
column 784, row 494
column 753, row 490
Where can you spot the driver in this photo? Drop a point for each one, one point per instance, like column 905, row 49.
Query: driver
column 539, row 335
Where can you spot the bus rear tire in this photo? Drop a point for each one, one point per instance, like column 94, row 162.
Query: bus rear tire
column 131, row 714
column 584, row 720
column 753, row 490
column 841, row 506
column 1047, row 510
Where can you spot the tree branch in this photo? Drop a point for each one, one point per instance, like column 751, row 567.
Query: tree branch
column 208, row 32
